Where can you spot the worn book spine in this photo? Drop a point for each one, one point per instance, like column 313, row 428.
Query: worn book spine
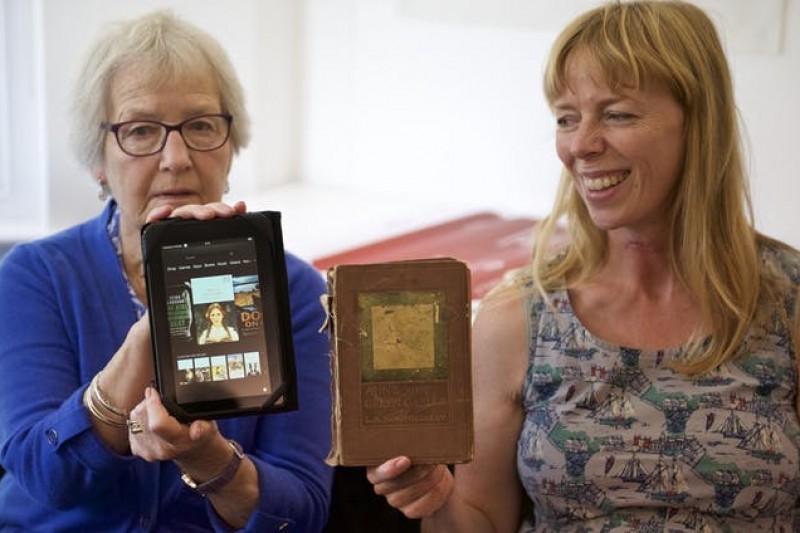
column 334, row 456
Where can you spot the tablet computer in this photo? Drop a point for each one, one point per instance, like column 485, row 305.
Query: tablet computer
column 219, row 315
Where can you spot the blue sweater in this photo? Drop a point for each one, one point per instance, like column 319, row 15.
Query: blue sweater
column 65, row 311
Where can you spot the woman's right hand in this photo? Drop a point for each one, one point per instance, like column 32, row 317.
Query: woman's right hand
column 197, row 211
column 123, row 381
column 416, row 490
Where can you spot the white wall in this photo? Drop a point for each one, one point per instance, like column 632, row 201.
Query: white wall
column 46, row 40
column 436, row 99
column 443, row 97
column 22, row 145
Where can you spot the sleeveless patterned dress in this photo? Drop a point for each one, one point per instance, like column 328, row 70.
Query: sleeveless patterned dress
column 615, row 441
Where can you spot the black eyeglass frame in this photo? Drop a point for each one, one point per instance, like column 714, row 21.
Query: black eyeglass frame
column 115, row 127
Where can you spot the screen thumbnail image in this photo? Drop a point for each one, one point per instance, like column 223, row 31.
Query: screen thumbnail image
column 179, row 311
column 186, row 371
column 235, row 366
column 193, row 370
column 214, row 310
column 252, row 362
column 218, row 323
column 247, row 298
column 253, row 367
column 219, row 368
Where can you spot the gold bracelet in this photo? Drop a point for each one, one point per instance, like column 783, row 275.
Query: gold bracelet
column 88, row 402
column 98, row 393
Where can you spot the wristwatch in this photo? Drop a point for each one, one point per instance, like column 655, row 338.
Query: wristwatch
column 216, row 483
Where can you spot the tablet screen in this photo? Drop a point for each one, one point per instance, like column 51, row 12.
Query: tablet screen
column 216, row 320
column 219, row 330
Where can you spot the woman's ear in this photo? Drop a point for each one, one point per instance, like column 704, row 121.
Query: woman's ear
column 103, row 191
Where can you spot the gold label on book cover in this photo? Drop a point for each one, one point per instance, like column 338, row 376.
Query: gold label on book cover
column 404, row 336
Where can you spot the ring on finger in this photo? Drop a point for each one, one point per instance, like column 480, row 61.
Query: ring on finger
column 135, row 427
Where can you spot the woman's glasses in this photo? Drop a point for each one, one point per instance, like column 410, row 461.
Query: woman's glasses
column 147, row 137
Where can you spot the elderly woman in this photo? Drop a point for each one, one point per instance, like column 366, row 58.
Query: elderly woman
column 644, row 378
column 159, row 116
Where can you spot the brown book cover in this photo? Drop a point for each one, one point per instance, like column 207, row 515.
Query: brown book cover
column 401, row 358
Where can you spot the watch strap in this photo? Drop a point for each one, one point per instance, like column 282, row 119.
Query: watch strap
column 221, row 479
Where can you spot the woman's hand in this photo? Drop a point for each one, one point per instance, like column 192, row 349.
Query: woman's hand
column 417, row 491
column 200, row 451
column 123, row 380
column 164, row 438
column 197, row 211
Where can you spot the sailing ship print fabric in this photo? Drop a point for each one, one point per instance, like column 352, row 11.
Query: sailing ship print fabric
column 614, row 440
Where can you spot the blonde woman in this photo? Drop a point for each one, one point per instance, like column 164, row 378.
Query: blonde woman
column 643, row 378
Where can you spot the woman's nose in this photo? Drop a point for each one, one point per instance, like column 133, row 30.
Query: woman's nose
column 587, row 140
column 175, row 155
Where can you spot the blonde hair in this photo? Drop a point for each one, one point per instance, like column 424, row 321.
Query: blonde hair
column 713, row 246
column 163, row 48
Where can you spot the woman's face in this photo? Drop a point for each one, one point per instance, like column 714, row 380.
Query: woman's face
column 216, row 317
column 624, row 149
column 175, row 175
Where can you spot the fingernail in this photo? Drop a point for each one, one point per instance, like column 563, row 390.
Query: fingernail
column 391, row 464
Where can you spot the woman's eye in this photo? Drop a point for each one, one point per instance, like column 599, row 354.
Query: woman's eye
column 618, row 116
column 200, row 125
column 565, row 122
column 141, row 130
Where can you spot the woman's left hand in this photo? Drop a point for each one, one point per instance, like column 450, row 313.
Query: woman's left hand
column 161, row 437
column 200, row 451
column 197, row 211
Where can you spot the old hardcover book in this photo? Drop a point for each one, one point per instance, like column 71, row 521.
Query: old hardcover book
column 401, row 358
